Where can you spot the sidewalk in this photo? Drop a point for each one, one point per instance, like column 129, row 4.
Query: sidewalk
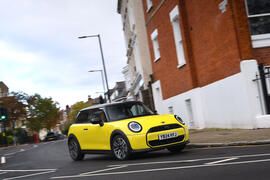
column 228, row 137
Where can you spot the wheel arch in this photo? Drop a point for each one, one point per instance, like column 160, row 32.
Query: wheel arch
column 121, row 133
column 72, row 136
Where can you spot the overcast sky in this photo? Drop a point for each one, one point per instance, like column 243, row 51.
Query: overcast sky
column 40, row 51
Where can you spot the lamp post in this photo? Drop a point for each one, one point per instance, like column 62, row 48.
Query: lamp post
column 101, row 72
column 103, row 61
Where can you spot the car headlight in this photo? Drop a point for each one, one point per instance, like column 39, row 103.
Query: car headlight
column 134, row 126
column 179, row 119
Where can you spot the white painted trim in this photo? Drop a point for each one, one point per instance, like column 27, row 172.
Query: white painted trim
column 262, row 40
column 178, row 40
column 149, row 5
column 174, row 13
column 259, row 15
column 181, row 65
column 154, row 37
column 154, row 34
column 157, row 59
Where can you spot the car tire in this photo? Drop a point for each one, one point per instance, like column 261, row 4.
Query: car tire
column 75, row 150
column 176, row 149
column 120, row 147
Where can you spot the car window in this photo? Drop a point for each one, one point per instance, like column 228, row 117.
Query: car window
column 92, row 115
column 82, row 117
column 118, row 112
column 137, row 110
column 127, row 110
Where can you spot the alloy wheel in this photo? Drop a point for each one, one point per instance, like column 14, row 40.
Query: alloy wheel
column 120, row 148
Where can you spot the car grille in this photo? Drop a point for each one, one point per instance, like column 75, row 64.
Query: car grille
column 166, row 141
column 164, row 127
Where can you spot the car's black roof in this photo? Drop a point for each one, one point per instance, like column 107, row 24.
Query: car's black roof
column 109, row 104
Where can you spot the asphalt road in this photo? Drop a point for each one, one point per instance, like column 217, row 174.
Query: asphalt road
column 51, row 161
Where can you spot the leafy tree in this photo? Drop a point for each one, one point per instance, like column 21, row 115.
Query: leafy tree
column 75, row 108
column 73, row 111
column 42, row 113
column 15, row 107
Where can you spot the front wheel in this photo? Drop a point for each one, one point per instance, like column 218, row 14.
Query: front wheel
column 75, row 150
column 120, row 147
column 176, row 149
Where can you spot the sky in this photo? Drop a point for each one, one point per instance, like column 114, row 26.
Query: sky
column 40, row 51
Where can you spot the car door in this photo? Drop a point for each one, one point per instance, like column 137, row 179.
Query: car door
column 81, row 131
column 98, row 135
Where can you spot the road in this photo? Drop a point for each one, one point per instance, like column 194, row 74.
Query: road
column 51, row 161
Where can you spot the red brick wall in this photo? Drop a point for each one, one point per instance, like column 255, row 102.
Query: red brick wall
column 173, row 80
column 214, row 43
column 242, row 29
column 262, row 55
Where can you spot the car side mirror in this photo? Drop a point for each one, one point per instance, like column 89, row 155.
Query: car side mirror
column 97, row 119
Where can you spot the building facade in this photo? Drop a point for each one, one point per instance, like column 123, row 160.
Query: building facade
column 210, row 61
column 3, row 89
column 138, row 71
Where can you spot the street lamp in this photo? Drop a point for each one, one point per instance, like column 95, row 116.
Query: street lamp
column 101, row 72
column 103, row 61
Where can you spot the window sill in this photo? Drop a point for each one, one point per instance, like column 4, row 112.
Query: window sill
column 259, row 41
column 181, row 65
column 149, row 9
column 157, row 59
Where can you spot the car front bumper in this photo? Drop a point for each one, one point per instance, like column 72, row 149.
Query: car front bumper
column 150, row 141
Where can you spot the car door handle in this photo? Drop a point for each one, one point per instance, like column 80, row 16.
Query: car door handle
column 85, row 129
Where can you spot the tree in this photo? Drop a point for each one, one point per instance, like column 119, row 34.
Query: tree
column 72, row 114
column 15, row 107
column 75, row 108
column 42, row 113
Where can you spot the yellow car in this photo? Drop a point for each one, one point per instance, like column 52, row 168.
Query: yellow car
column 124, row 128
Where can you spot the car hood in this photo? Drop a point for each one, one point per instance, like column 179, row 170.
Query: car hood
column 148, row 122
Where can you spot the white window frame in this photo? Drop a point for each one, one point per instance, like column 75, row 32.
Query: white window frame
column 156, row 49
column 149, row 5
column 261, row 40
column 174, row 17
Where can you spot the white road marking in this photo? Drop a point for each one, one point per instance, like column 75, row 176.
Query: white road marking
column 161, row 169
column 28, row 175
column 102, row 170
column 34, row 146
column 8, row 154
column 191, row 160
column 3, row 172
column 220, row 161
column 25, row 170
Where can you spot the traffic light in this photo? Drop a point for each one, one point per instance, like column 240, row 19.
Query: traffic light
column 3, row 114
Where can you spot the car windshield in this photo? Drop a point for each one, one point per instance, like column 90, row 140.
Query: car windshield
column 127, row 110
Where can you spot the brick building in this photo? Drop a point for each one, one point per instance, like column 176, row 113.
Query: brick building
column 209, row 60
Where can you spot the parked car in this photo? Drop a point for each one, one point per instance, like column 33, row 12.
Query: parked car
column 52, row 136
column 124, row 128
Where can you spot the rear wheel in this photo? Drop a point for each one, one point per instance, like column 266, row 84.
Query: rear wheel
column 120, row 147
column 75, row 150
column 176, row 149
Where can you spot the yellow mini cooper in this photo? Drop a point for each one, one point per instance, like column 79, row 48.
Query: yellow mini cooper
column 124, row 128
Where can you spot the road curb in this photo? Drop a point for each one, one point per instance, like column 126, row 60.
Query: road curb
column 238, row 143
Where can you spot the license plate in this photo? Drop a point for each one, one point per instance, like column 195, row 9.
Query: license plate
column 167, row 136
